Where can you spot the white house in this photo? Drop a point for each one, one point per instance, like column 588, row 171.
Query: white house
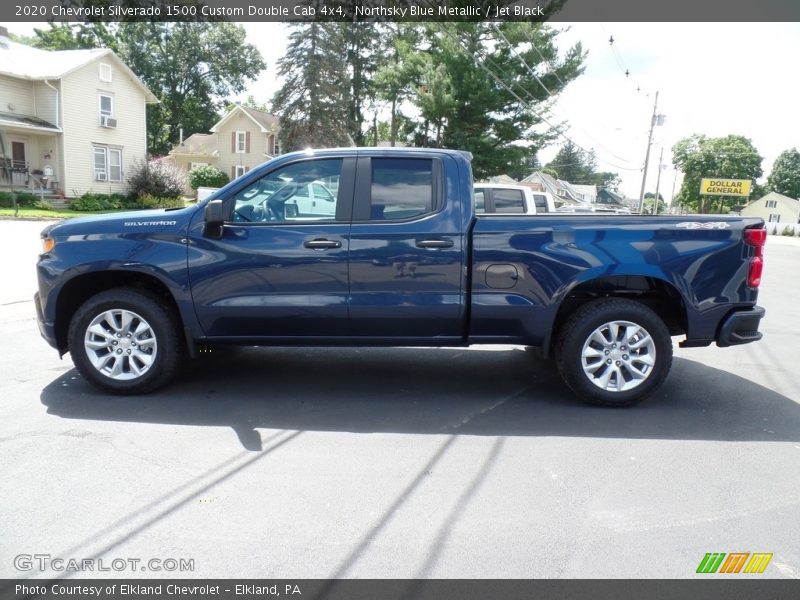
column 71, row 121
column 774, row 208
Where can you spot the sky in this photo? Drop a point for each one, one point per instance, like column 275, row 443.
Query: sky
column 713, row 78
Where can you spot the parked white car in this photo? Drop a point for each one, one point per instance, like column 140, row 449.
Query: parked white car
column 498, row 198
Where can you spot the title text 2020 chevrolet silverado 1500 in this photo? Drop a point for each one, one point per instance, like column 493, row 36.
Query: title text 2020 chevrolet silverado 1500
column 399, row 259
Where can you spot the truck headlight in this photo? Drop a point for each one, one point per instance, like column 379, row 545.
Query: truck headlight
column 48, row 244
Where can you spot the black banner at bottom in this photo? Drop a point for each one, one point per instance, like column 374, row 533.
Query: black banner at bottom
column 728, row 588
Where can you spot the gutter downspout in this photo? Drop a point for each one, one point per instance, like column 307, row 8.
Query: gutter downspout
column 48, row 84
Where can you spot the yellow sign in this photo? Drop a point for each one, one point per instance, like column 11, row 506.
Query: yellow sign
column 724, row 187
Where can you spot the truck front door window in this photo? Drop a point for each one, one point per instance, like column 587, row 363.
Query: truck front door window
column 299, row 192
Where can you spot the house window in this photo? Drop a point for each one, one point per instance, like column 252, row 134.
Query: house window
column 772, row 203
column 239, row 170
column 773, row 218
column 105, row 72
column 241, row 142
column 106, row 105
column 107, row 164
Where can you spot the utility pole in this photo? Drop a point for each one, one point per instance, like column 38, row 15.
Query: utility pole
column 647, row 154
column 658, row 180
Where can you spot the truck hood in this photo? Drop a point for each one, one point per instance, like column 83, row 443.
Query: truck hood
column 160, row 219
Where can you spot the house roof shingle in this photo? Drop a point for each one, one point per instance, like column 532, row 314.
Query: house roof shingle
column 197, row 143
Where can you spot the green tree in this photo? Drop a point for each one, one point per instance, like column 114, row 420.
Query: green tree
column 251, row 102
column 190, row 67
column 785, row 175
column 649, row 200
column 496, row 102
column 364, row 49
column 313, row 102
column 731, row 157
column 396, row 79
column 575, row 165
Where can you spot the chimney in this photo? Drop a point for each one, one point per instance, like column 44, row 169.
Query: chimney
column 181, row 136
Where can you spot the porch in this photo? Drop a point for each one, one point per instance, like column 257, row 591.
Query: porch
column 29, row 158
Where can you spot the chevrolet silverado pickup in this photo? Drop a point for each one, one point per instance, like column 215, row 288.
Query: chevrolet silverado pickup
column 400, row 259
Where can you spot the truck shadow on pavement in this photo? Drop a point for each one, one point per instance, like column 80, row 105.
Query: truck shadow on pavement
column 429, row 391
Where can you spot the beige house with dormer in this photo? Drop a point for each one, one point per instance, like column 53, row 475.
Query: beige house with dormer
column 71, row 121
column 241, row 140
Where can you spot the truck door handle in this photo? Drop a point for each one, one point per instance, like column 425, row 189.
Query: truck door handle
column 434, row 243
column 322, row 244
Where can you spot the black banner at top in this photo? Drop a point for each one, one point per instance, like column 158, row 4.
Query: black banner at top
column 716, row 11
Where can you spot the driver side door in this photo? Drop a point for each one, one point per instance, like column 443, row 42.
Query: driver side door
column 279, row 270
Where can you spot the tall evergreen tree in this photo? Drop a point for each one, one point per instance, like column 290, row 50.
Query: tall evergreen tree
column 500, row 88
column 313, row 104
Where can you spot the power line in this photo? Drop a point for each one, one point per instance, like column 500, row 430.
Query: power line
column 462, row 46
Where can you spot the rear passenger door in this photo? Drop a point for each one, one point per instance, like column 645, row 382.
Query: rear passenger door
column 407, row 250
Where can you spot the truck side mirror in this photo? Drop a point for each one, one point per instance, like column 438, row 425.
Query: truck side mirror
column 214, row 219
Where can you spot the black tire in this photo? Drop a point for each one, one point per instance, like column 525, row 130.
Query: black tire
column 576, row 333
column 163, row 341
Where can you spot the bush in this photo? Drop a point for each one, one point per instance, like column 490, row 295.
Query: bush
column 92, row 202
column 42, row 205
column 789, row 231
column 150, row 201
column 23, row 199
column 207, row 176
column 26, row 199
column 157, row 178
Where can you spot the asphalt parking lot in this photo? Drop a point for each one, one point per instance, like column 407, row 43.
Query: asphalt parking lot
column 387, row 463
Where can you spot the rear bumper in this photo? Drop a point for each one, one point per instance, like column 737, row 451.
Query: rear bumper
column 740, row 327
column 48, row 330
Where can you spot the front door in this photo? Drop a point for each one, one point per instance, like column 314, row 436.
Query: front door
column 18, row 155
column 278, row 271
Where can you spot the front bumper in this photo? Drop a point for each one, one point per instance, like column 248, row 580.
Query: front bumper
column 740, row 327
column 48, row 330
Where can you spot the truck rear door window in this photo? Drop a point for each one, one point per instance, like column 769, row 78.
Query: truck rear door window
column 540, row 201
column 402, row 188
column 508, row 201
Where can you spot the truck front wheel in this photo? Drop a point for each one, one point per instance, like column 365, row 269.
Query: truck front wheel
column 614, row 352
column 124, row 341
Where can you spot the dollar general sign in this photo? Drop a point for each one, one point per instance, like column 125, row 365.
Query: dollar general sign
column 724, row 187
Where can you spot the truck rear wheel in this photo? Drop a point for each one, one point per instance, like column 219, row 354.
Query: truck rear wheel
column 614, row 352
column 124, row 341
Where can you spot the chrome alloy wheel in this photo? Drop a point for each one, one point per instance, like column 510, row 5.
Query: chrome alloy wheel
column 618, row 356
column 120, row 344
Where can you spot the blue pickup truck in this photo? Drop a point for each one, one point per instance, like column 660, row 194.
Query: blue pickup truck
column 395, row 256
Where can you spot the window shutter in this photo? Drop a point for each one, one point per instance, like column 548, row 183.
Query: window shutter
column 233, row 172
column 233, row 141
column 247, row 142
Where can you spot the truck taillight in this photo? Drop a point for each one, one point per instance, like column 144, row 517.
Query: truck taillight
column 756, row 238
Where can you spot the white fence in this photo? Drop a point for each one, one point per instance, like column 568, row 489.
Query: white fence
column 780, row 228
